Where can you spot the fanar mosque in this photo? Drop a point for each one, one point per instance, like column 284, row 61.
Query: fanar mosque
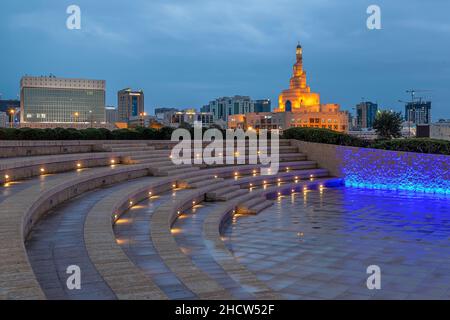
column 297, row 107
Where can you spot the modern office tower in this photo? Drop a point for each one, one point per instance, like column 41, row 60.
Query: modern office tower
column 365, row 114
column 263, row 105
column 111, row 114
column 51, row 100
column 130, row 104
column 223, row 107
column 418, row 112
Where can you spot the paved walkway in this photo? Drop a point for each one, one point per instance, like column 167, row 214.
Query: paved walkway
column 189, row 237
column 133, row 234
column 57, row 241
column 145, row 256
column 321, row 244
column 14, row 187
column 16, row 276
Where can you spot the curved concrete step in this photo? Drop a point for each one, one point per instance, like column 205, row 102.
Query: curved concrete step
column 25, row 209
column 281, row 149
column 175, row 171
column 206, row 182
column 215, row 195
column 57, row 241
column 132, row 232
column 230, row 195
column 255, row 209
column 195, row 279
column 213, row 240
column 282, row 177
column 106, row 256
column 125, row 279
column 15, row 169
column 246, row 206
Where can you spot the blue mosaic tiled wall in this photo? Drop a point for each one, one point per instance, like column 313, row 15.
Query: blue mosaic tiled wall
column 381, row 169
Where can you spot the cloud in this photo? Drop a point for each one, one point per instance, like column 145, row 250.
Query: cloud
column 52, row 23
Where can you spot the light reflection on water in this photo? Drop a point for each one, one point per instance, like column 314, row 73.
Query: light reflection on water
column 310, row 242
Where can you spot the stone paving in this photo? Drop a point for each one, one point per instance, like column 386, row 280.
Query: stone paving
column 14, row 187
column 124, row 278
column 189, row 238
column 57, row 241
column 132, row 231
column 16, row 276
column 144, row 256
column 321, row 243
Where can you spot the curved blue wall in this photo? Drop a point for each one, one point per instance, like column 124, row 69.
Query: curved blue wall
column 382, row 169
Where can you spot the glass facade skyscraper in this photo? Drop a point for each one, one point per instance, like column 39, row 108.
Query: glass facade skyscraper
column 366, row 113
column 130, row 104
column 262, row 105
column 58, row 100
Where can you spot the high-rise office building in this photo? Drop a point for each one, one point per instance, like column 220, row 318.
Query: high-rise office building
column 223, row 107
column 263, row 105
column 365, row 114
column 111, row 114
column 60, row 100
column 418, row 112
column 130, row 104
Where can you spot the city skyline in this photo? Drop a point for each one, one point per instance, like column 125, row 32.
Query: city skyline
column 174, row 50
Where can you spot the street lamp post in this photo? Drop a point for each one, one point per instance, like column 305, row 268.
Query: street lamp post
column 11, row 117
column 142, row 114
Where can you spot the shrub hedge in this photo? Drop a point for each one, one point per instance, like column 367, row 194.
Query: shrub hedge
column 318, row 135
column 324, row 136
column 85, row 134
column 419, row 145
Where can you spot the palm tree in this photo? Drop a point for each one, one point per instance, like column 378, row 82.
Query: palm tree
column 388, row 124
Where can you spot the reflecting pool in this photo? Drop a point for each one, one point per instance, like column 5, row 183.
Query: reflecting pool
column 318, row 244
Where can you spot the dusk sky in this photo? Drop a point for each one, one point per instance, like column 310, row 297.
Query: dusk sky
column 184, row 53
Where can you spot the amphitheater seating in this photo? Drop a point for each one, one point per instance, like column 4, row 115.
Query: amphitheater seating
column 149, row 172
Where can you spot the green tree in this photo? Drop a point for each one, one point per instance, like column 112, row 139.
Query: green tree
column 388, row 124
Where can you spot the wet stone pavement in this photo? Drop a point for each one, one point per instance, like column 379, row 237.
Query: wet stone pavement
column 318, row 244
column 57, row 241
column 132, row 231
column 189, row 236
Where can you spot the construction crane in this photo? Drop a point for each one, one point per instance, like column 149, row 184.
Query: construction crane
column 413, row 97
column 413, row 92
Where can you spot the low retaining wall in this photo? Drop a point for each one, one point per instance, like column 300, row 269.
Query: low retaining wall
column 382, row 169
column 16, row 148
column 31, row 167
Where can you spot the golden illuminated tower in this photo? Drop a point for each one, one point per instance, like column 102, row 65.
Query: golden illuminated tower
column 299, row 96
column 297, row 107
